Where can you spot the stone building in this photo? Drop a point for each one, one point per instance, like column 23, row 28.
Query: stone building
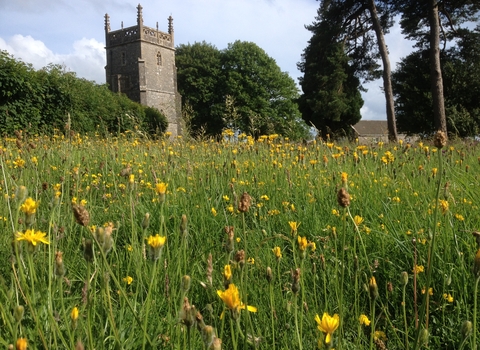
column 141, row 64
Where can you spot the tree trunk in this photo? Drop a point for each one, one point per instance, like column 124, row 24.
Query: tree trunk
column 387, row 75
column 435, row 68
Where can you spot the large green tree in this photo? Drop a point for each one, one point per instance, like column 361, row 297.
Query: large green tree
column 432, row 24
column 240, row 87
column 199, row 76
column 461, row 80
column 331, row 99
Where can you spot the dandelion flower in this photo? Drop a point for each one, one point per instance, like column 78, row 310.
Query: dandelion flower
column 448, row 297
column 128, row 280
column 33, row 237
column 357, row 220
column 21, row 344
column 327, row 325
column 74, row 314
column 231, row 298
column 277, row 251
column 156, row 244
column 418, row 269
column 29, row 207
column 443, row 205
column 363, row 319
column 161, row 188
column 302, row 243
column 227, row 272
column 293, row 227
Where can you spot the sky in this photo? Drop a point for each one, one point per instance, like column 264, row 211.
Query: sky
column 71, row 33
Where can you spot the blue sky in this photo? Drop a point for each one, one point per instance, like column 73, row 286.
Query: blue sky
column 72, row 33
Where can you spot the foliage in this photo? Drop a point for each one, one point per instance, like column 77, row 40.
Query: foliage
column 155, row 122
column 199, row 76
column 242, row 78
column 331, row 99
column 363, row 265
column 452, row 14
column 461, row 76
column 48, row 99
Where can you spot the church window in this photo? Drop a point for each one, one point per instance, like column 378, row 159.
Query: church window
column 159, row 59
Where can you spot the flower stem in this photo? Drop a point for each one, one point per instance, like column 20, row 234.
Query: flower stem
column 474, row 334
column 296, row 323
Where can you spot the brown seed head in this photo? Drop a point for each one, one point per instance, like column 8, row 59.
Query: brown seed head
column 343, row 198
column 476, row 264
column 245, row 202
column 440, row 139
column 81, row 214
column 240, row 257
column 296, row 280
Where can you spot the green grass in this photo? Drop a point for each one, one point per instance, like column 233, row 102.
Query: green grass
column 399, row 195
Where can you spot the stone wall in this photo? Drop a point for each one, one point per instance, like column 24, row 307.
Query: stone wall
column 141, row 64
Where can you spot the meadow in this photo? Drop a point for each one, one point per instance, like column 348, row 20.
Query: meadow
column 130, row 243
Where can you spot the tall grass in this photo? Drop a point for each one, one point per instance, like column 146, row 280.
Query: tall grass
column 98, row 283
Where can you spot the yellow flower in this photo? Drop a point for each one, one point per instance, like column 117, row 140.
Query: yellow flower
column 430, row 290
column 363, row 319
column 128, row 280
column 156, row 241
column 231, row 298
column 327, row 325
column 379, row 335
column 293, row 227
column 227, row 273
column 344, row 177
column 448, row 297
column 302, row 243
column 161, row 188
column 29, row 207
column 277, row 252
column 335, row 212
column 156, row 244
column 373, row 287
column 418, row 269
column 21, row 344
column 74, row 314
column 443, row 205
column 357, row 220
column 214, row 212
column 33, row 237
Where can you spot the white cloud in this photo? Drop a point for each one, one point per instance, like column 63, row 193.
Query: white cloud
column 87, row 58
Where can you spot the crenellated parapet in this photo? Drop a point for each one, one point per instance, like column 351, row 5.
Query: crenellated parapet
column 130, row 34
column 139, row 32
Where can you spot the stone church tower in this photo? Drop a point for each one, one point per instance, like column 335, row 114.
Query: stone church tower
column 141, row 64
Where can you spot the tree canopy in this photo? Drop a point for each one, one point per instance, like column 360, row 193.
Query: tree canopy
column 240, row 87
column 331, row 99
column 41, row 100
column 461, row 77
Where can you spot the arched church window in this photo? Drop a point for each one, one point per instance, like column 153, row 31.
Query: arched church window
column 159, row 59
